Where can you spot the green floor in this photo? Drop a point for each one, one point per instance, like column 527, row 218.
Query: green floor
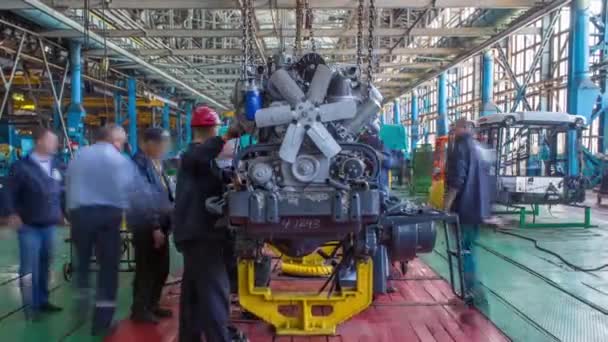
column 532, row 295
column 56, row 327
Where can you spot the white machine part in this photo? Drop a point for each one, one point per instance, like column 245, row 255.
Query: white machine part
column 548, row 118
column 531, row 185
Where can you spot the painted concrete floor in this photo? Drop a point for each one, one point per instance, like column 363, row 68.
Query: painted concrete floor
column 532, row 295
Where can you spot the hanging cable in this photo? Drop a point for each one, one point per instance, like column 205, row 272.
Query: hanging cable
column 542, row 249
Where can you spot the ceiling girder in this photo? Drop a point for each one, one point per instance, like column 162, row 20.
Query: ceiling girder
column 237, row 52
column 265, row 4
column 290, row 33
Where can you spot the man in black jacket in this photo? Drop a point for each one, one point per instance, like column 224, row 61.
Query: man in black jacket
column 150, row 235
column 34, row 207
column 205, row 296
column 469, row 196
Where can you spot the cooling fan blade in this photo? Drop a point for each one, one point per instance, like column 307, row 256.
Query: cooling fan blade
column 323, row 139
column 319, row 84
column 292, row 141
column 274, row 116
column 338, row 111
column 287, row 87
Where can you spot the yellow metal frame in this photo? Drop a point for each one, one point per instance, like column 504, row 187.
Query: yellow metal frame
column 311, row 265
column 265, row 303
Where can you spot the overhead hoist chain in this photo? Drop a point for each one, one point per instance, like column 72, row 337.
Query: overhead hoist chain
column 248, row 41
column 370, row 45
column 309, row 22
column 359, row 34
column 297, row 43
column 244, row 44
column 251, row 36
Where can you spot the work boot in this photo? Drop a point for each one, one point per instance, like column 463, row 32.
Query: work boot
column 162, row 313
column 48, row 308
column 236, row 335
column 144, row 317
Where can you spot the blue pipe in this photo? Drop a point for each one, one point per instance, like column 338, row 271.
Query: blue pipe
column 180, row 132
column 604, row 83
column 75, row 113
column 582, row 92
column 117, row 105
column 165, row 119
column 132, row 113
column 442, row 105
column 415, row 124
column 76, row 70
column 188, row 119
column 487, row 85
column 396, row 112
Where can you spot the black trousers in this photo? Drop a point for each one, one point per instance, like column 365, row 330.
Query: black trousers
column 151, row 271
column 97, row 228
column 205, row 293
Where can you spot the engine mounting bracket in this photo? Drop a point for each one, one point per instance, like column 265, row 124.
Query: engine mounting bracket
column 315, row 313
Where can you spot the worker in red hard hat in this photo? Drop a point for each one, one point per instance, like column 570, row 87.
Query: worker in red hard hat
column 205, row 296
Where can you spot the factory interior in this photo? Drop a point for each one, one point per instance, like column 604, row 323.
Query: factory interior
column 330, row 242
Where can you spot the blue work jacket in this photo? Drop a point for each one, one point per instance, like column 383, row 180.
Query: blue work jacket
column 33, row 194
column 468, row 173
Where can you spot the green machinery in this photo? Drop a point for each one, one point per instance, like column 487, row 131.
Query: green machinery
column 422, row 169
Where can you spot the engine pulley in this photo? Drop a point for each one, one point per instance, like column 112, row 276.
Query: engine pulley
column 306, row 168
column 353, row 168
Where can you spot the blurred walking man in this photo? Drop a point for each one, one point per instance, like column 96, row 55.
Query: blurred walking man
column 469, row 195
column 150, row 237
column 34, row 206
column 98, row 180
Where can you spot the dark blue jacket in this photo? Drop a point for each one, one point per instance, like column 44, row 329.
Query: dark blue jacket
column 32, row 194
column 198, row 178
column 146, row 169
column 468, row 173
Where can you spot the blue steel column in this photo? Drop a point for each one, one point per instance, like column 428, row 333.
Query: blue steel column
column 604, row 80
column 117, row 107
column 76, row 113
column 487, row 85
column 179, row 131
column 188, row 119
column 442, row 106
column 132, row 113
column 582, row 92
column 396, row 112
column 165, row 119
column 415, row 128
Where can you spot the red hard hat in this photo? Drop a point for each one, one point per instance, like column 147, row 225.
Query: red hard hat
column 203, row 116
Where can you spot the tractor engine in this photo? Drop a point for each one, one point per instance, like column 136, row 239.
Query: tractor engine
column 309, row 180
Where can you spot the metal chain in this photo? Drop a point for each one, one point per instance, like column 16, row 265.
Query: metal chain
column 370, row 45
column 309, row 21
column 359, row 33
column 244, row 44
column 297, row 44
column 251, row 33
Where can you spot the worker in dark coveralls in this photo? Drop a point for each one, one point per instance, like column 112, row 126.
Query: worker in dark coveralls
column 205, row 288
column 150, row 235
column 34, row 207
column 101, row 185
column 469, row 196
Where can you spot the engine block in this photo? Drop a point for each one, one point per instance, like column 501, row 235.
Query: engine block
column 309, row 180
